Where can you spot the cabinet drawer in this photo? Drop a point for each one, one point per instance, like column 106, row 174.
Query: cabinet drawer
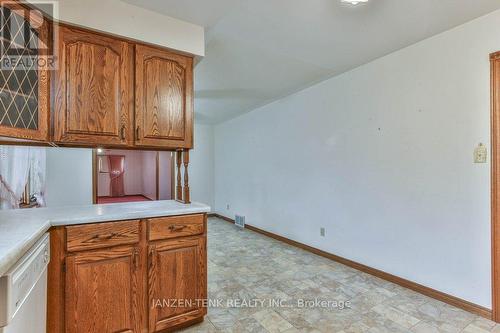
column 100, row 235
column 175, row 226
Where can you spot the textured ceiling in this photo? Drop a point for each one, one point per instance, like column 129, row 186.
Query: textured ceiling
column 258, row 51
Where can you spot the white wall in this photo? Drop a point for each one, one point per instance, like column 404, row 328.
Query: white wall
column 165, row 175
column 69, row 177
column 381, row 157
column 201, row 166
column 132, row 178
column 133, row 184
column 149, row 174
column 130, row 21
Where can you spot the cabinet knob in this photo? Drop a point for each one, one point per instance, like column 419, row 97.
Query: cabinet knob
column 176, row 228
column 112, row 235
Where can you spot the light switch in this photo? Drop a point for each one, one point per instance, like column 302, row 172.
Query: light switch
column 480, row 154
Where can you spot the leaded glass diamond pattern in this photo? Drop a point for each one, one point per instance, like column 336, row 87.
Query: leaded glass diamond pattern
column 18, row 85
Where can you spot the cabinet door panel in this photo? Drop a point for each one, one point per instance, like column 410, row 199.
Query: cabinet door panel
column 94, row 85
column 164, row 83
column 103, row 293
column 24, row 88
column 176, row 282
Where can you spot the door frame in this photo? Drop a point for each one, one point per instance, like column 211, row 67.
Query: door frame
column 495, row 184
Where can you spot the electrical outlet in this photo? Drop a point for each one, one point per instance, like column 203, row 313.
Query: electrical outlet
column 480, row 154
column 322, row 232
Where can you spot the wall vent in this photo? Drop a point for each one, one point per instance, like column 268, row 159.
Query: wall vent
column 239, row 221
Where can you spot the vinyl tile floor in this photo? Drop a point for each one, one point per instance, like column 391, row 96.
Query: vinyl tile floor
column 258, row 284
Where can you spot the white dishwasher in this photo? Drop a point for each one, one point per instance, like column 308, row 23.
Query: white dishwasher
column 23, row 292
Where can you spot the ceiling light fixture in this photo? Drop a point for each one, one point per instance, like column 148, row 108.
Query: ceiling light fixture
column 353, row 2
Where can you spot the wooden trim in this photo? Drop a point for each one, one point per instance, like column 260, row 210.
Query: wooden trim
column 185, row 189
column 172, row 175
column 143, row 246
column 227, row 219
column 56, row 281
column 94, row 176
column 440, row 296
column 495, row 184
column 157, row 175
column 178, row 184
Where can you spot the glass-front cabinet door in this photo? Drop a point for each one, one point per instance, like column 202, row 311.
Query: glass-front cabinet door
column 24, row 65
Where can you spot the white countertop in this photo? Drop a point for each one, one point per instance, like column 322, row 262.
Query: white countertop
column 21, row 228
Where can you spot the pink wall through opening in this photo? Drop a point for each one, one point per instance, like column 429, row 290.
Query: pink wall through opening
column 139, row 176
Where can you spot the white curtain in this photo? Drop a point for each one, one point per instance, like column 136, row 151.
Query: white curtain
column 15, row 164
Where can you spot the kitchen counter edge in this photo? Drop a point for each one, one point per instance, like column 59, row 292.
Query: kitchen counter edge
column 20, row 229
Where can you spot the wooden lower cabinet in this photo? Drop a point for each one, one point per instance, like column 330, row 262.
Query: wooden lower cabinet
column 176, row 282
column 125, row 282
column 103, row 291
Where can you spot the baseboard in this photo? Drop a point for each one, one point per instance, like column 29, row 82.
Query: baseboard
column 438, row 295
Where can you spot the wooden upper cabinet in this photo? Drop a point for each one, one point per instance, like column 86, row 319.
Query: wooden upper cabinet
column 104, row 291
column 24, row 89
column 94, row 89
column 164, row 98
